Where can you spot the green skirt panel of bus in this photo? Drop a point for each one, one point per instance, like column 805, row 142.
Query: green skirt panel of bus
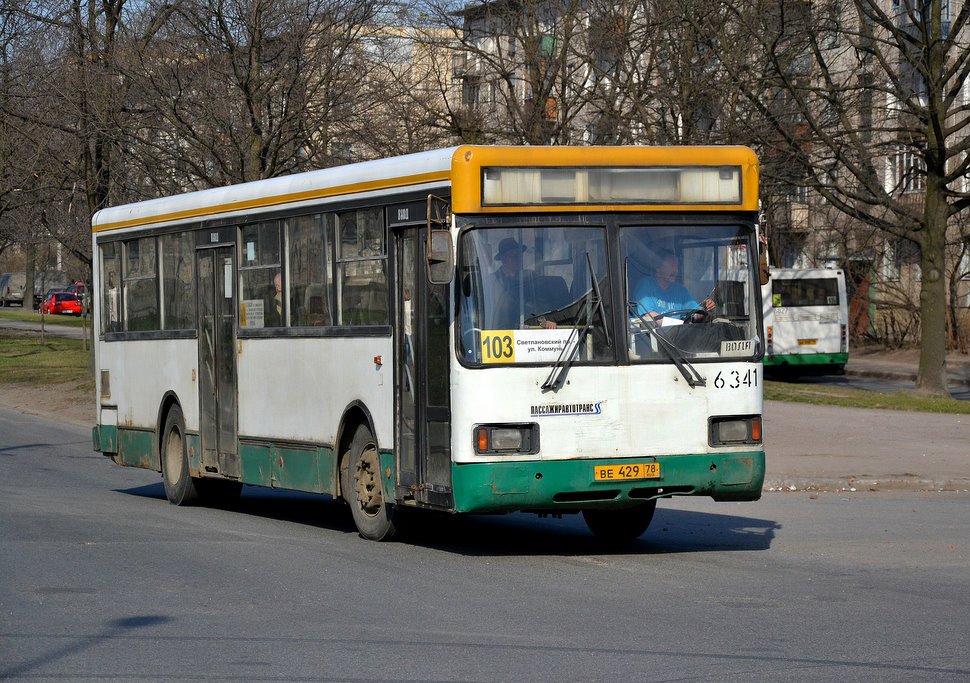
column 807, row 359
column 571, row 484
column 301, row 468
column 128, row 447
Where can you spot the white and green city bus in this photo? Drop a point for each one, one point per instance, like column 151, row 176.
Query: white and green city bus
column 348, row 332
column 806, row 317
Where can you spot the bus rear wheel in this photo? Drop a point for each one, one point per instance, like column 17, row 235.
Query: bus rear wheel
column 620, row 526
column 179, row 486
column 363, row 491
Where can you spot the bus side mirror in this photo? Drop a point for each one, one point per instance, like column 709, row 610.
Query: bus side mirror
column 439, row 249
column 764, row 272
column 441, row 257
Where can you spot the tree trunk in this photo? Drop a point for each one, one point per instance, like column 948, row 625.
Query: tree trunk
column 932, row 359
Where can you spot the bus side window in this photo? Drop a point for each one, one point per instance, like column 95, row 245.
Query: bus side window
column 308, row 266
column 260, row 276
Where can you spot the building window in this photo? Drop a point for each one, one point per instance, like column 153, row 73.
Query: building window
column 907, row 171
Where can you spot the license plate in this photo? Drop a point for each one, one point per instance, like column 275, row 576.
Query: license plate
column 807, row 342
column 634, row 470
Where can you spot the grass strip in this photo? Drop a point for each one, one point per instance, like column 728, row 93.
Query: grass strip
column 25, row 359
column 22, row 315
column 859, row 398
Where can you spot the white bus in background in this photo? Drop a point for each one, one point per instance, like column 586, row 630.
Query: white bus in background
column 806, row 317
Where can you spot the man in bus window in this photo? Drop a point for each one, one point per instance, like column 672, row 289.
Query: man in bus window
column 273, row 307
column 659, row 294
column 113, row 324
column 515, row 289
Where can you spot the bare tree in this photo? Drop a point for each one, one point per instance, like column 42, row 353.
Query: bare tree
column 238, row 90
column 864, row 101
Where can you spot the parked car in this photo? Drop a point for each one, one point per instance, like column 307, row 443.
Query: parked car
column 61, row 302
column 50, row 279
column 12, row 288
column 4, row 277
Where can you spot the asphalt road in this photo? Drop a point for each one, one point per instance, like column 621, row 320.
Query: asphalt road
column 102, row 579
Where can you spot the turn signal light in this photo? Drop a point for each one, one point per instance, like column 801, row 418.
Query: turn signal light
column 735, row 430
column 506, row 439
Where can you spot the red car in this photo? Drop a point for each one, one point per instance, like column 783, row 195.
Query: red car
column 62, row 302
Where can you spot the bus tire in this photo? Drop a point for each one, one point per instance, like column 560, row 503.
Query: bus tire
column 620, row 526
column 179, row 485
column 373, row 515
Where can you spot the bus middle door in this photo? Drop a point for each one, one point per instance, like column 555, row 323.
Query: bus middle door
column 422, row 393
column 217, row 360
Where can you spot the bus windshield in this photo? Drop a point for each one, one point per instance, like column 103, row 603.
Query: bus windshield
column 534, row 295
column 689, row 292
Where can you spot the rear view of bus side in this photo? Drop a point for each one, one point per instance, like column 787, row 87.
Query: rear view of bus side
column 473, row 330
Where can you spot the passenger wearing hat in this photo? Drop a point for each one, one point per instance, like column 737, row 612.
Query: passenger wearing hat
column 516, row 288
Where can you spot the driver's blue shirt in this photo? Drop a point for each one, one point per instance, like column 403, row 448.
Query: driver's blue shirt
column 650, row 297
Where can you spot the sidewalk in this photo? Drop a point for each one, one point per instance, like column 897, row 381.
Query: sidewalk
column 903, row 364
column 848, row 449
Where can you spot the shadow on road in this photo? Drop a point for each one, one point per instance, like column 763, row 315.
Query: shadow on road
column 672, row 531
column 114, row 629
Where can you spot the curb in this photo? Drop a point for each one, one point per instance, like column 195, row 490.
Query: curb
column 853, row 485
column 901, row 376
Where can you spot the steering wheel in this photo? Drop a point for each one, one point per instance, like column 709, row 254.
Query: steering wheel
column 685, row 314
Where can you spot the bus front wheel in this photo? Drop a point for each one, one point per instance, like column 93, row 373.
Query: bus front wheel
column 373, row 516
column 620, row 526
column 179, row 486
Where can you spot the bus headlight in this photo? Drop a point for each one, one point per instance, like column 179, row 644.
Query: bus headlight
column 502, row 439
column 729, row 431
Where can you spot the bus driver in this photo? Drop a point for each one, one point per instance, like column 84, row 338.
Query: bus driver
column 660, row 294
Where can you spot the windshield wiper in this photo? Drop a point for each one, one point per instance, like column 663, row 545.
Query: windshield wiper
column 568, row 355
column 689, row 372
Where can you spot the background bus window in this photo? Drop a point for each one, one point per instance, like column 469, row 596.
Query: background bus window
column 178, row 281
column 309, row 270
column 804, row 292
column 362, row 268
column 111, row 287
column 261, row 282
column 140, row 285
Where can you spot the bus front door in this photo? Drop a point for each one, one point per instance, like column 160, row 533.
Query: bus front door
column 217, row 361
column 421, row 343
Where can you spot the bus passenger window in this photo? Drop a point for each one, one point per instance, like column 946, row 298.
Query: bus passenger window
column 110, row 285
column 362, row 268
column 178, row 281
column 140, row 286
column 261, row 299
column 309, row 270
